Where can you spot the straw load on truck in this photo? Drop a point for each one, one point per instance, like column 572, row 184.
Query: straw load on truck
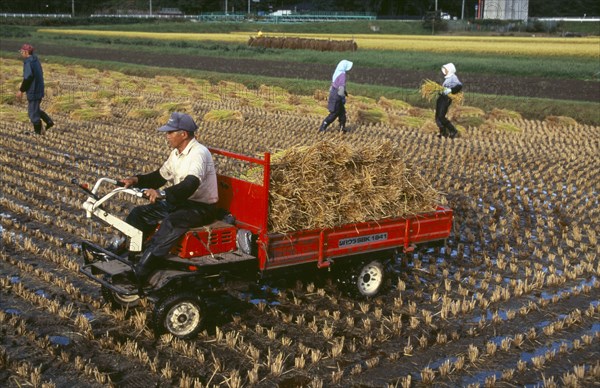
column 330, row 184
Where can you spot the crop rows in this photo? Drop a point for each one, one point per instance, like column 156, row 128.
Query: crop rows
column 511, row 298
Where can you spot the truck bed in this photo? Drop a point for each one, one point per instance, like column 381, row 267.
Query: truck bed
column 249, row 204
column 324, row 246
column 319, row 246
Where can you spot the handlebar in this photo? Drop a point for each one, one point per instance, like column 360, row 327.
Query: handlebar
column 84, row 187
column 115, row 182
column 98, row 201
column 137, row 192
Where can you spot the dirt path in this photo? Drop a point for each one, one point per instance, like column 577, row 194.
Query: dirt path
column 476, row 83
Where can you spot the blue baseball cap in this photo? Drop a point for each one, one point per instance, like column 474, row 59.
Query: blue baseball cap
column 179, row 122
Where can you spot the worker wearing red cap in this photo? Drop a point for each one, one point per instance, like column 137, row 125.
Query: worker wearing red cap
column 33, row 86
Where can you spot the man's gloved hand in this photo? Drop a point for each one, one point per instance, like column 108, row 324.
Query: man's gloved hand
column 447, row 91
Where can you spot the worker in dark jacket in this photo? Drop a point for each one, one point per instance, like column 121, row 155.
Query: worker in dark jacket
column 189, row 201
column 453, row 85
column 33, row 86
column 337, row 97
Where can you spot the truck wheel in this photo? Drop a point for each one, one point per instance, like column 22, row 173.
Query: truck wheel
column 370, row 278
column 180, row 315
column 117, row 300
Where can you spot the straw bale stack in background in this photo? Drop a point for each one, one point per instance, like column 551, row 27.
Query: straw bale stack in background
column 329, row 184
column 302, row 43
column 430, row 89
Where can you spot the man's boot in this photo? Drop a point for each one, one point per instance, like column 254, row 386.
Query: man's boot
column 117, row 245
column 443, row 132
column 46, row 119
column 323, row 126
column 452, row 132
column 144, row 268
column 37, row 127
column 343, row 128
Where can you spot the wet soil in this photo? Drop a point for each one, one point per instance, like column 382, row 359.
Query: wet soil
column 510, row 299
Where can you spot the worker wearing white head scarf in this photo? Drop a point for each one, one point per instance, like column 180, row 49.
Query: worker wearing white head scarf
column 450, row 78
column 341, row 68
column 337, row 97
column 451, row 84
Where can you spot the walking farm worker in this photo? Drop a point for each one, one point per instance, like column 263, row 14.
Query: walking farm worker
column 33, row 86
column 337, row 97
column 452, row 85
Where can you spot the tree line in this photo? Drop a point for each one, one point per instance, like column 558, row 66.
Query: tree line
column 382, row 8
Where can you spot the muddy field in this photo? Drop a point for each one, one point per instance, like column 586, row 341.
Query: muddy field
column 512, row 298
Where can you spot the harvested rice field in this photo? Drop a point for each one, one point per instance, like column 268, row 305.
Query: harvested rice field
column 511, row 299
column 493, row 84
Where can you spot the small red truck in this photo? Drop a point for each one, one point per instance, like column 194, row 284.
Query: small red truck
column 241, row 244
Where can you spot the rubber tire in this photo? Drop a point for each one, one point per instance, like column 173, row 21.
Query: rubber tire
column 118, row 301
column 370, row 278
column 179, row 314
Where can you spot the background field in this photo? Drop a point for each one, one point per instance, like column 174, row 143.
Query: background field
column 511, row 299
column 579, row 48
column 494, row 78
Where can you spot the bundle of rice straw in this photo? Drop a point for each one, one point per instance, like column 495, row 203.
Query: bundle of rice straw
column 330, row 184
column 430, row 89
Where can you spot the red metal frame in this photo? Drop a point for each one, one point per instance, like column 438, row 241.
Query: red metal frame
column 203, row 241
column 252, row 212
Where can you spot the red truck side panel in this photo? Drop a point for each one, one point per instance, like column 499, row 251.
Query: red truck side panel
column 347, row 240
